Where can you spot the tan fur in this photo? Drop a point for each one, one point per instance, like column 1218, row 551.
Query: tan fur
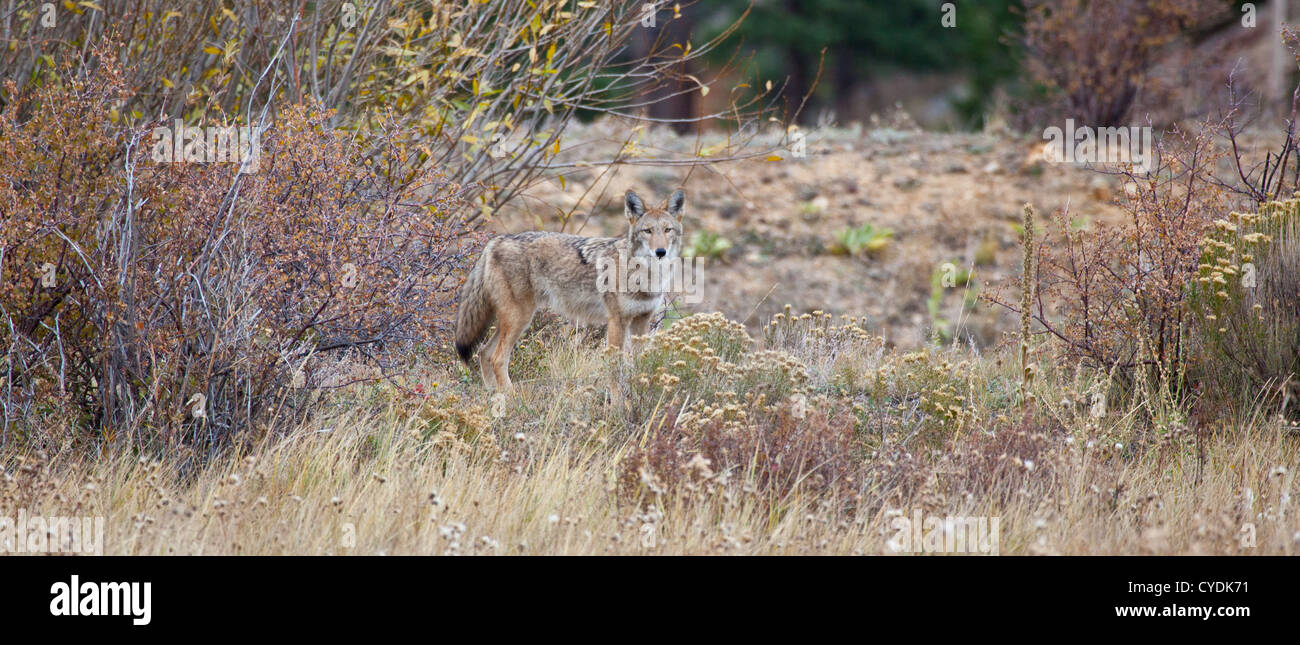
column 519, row 273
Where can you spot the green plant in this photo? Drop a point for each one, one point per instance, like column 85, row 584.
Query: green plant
column 987, row 253
column 865, row 238
column 706, row 244
column 947, row 275
column 940, row 329
column 811, row 209
column 671, row 315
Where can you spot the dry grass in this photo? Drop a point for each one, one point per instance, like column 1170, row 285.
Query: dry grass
column 552, row 470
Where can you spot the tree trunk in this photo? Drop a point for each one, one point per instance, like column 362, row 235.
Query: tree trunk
column 1282, row 64
column 686, row 104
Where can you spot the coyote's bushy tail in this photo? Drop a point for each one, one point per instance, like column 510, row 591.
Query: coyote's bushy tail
column 475, row 312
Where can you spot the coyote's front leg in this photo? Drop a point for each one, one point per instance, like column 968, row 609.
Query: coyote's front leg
column 615, row 331
column 639, row 326
column 616, row 322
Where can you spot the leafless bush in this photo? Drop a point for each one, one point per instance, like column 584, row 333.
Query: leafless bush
column 1094, row 56
column 177, row 304
column 1115, row 295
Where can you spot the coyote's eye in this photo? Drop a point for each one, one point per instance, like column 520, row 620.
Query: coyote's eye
column 647, row 230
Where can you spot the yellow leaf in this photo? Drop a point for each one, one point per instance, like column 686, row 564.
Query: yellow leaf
column 774, row 158
column 215, row 51
column 704, row 89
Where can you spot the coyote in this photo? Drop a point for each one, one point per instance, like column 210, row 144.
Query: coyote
column 564, row 273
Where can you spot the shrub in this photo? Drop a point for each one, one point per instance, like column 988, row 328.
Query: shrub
column 1246, row 298
column 457, row 424
column 833, row 353
column 773, row 450
column 741, row 415
column 1115, row 296
column 480, row 91
column 1099, row 85
column 180, row 303
column 930, row 382
column 700, row 340
column 771, row 373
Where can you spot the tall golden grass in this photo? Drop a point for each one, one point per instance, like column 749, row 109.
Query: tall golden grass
column 544, row 471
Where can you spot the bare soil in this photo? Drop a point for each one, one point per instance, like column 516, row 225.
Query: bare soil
column 946, row 197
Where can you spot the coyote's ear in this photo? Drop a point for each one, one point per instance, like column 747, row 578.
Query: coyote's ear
column 633, row 207
column 677, row 204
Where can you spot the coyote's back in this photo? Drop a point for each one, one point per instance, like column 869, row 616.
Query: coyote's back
column 518, row 273
column 557, row 270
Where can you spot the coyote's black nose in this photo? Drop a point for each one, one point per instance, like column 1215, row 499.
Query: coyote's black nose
column 661, row 252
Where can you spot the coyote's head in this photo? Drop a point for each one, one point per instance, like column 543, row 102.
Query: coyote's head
column 655, row 232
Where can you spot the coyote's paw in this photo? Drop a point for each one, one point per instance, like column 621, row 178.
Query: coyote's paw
column 498, row 405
